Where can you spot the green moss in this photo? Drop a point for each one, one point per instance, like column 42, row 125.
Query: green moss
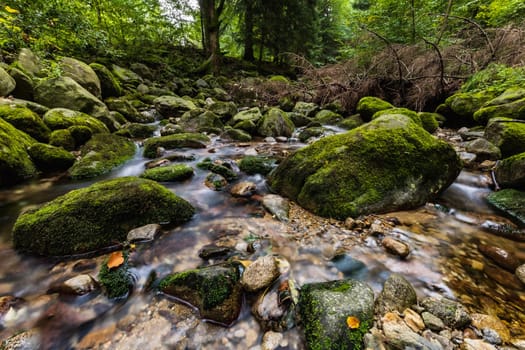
column 62, row 138
column 97, row 216
column 495, row 78
column 116, row 282
column 189, row 140
column 514, row 109
column 511, row 202
column 100, row 154
column 50, row 158
column 136, row 130
column 222, row 170
column 236, row 135
column 256, row 165
column 429, row 121
column 351, row 122
column 81, row 134
column 275, row 122
column 509, row 136
column 61, row 118
column 110, row 86
column 369, row 105
column 401, row 111
column 25, row 120
column 178, row 172
column 15, row 163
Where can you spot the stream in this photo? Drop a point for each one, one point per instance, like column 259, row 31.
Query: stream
column 445, row 260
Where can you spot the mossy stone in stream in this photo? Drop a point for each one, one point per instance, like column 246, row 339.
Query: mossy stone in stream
column 136, row 130
column 506, row 134
column 62, row 138
column 430, row 121
column 50, row 158
column 402, row 111
column 219, row 169
column 369, row 105
column 100, row 154
column 325, row 309
column 97, row 216
column 183, row 140
column 62, row 118
column 117, row 281
column 388, row 164
column 511, row 202
column 177, row 172
column 256, row 165
column 510, row 172
column 351, row 122
column 275, row 122
column 214, row 290
column 24, row 119
column 15, row 163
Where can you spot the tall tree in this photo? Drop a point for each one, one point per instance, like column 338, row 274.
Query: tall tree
column 210, row 24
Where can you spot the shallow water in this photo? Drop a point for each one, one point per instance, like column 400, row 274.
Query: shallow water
column 444, row 260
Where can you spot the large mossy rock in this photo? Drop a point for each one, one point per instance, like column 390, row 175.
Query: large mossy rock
column 176, row 172
column 250, row 115
column 63, row 118
column 29, row 63
column 26, row 120
column 506, row 134
column 199, row 120
column 214, row 290
column 24, row 88
column 173, row 106
column 35, row 107
column 109, row 85
column 511, row 202
column 510, row 172
column 15, row 163
column 369, row 105
column 510, row 104
column 7, row 83
column 306, row 109
column 50, row 158
column 100, row 154
column 225, row 110
column 274, row 123
column 184, row 140
column 97, row 216
column 388, row 164
column 326, row 308
column 66, row 93
column 126, row 76
column 463, row 105
column 82, row 73
column 129, row 112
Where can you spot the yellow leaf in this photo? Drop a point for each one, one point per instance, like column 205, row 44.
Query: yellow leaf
column 115, row 259
column 245, row 263
column 11, row 10
column 352, row 322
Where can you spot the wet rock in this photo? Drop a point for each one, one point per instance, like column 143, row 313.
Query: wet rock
column 413, row 320
column 400, row 336
column 219, row 167
column 7, row 83
column 487, row 322
column 476, row 344
column 173, row 106
column 325, row 308
column 214, row 290
column 278, row 206
column 78, row 285
column 26, row 340
column 395, row 247
column 243, row 189
column 520, row 273
column 184, row 140
column 215, row 182
column 452, row 313
column 468, row 159
column 274, row 123
column 169, row 173
column 356, row 173
column 260, row 274
column 212, row 251
column 7, row 302
column 397, row 295
column 500, row 256
column 483, row 149
column 432, row 322
column 511, row 202
column 271, row 340
column 144, row 233
column 510, row 172
column 368, row 106
column 350, row 267
column 97, row 216
column 274, row 309
column 256, row 164
column 507, row 135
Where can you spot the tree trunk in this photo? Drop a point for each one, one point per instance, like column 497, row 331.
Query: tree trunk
column 210, row 31
column 248, row 32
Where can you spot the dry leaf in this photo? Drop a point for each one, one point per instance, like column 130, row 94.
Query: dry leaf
column 245, row 263
column 352, row 322
column 115, row 259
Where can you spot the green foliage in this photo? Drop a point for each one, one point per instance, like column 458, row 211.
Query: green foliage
column 495, row 78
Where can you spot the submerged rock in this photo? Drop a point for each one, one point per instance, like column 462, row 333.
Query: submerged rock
column 326, row 309
column 189, row 140
column 511, row 202
column 97, row 216
column 388, row 164
column 214, row 290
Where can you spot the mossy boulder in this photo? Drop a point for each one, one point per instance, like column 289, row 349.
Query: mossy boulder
column 109, row 85
column 136, row 130
column 275, row 122
column 306, row 109
column 511, row 202
column 326, row 116
column 24, row 86
column 430, row 121
column 100, row 154
column 236, row 135
column 50, row 158
column 129, row 112
column 173, row 106
column 253, row 115
column 63, row 118
column 311, row 132
column 225, row 110
column 463, row 105
column 7, row 83
column 217, row 168
column 15, row 164
column 401, row 111
column 326, row 308
column 81, row 134
column 97, row 216
column 510, row 172
column 177, row 172
column 82, row 73
column 388, row 164
column 514, row 109
column 126, row 76
column 66, row 93
column 62, row 138
column 214, row 290
column 369, row 105
column 183, row 140
column 26, row 120
column 35, row 107
column 351, row 122
column 199, row 120
column 256, row 165
column 506, row 134
column 29, row 63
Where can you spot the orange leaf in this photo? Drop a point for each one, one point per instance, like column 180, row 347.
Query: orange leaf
column 352, row 322
column 115, row 259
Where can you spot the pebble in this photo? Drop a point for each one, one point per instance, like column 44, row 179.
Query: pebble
column 432, row 322
column 488, row 322
column 27, row 340
column 476, row 344
column 243, row 189
column 260, row 274
column 520, row 273
column 400, row 336
column 452, row 313
column 271, row 340
column 78, row 285
column 413, row 320
column 281, row 139
column 395, row 247
column 278, row 206
column 144, row 233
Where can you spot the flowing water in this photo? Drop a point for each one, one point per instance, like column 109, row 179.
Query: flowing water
column 444, row 260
